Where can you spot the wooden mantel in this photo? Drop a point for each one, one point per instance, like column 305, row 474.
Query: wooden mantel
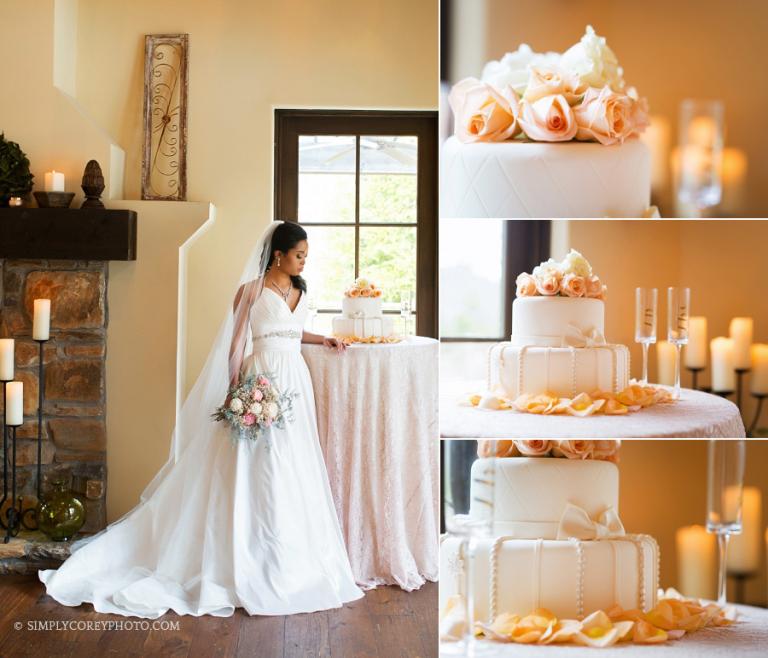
column 68, row 234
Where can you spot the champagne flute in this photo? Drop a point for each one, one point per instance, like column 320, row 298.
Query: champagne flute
column 311, row 311
column 678, row 313
column 646, row 303
column 468, row 516
column 724, row 489
column 701, row 154
column 406, row 306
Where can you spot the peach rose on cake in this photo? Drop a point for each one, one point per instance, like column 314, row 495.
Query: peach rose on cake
column 549, row 285
column 606, row 449
column 353, row 292
column 496, row 448
column 526, row 285
column 533, row 447
column 573, row 448
column 483, row 113
column 573, row 285
column 548, row 119
column 365, row 292
column 376, row 292
column 608, row 117
column 550, row 81
column 594, row 287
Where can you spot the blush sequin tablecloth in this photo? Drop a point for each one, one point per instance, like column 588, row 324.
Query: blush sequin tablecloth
column 747, row 638
column 696, row 415
column 377, row 420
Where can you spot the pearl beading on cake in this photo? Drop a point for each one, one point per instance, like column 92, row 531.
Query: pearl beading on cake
column 577, row 544
column 493, row 575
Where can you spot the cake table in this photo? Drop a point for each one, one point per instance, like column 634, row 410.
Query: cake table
column 697, row 415
column 377, row 420
column 747, row 638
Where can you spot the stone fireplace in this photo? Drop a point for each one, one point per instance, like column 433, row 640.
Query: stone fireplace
column 74, row 411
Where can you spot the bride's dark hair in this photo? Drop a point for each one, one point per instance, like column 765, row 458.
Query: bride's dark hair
column 285, row 238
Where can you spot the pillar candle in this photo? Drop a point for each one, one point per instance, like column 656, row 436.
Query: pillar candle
column 696, row 349
column 14, row 412
column 41, row 328
column 696, row 562
column 759, row 374
column 723, row 372
column 54, row 181
column 744, row 549
column 6, row 359
column 666, row 353
column 734, row 177
column 741, row 333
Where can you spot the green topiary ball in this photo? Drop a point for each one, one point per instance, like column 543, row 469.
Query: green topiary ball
column 15, row 177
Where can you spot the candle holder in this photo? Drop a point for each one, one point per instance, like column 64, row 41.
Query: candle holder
column 740, row 578
column 3, row 382
column 694, row 376
column 753, row 425
column 40, row 398
column 13, row 516
column 723, row 394
column 739, row 374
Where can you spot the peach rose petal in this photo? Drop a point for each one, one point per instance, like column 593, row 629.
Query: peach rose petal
column 564, row 631
column 583, row 405
column 615, row 408
column 646, row 633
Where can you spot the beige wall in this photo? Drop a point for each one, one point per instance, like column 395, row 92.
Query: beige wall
column 669, row 51
column 246, row 59
column 720, row 260
column 663, row 487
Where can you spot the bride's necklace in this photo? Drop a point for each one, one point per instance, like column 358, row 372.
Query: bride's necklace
column 283, row 293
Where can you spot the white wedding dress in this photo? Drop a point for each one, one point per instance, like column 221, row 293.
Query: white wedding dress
column 234, row 524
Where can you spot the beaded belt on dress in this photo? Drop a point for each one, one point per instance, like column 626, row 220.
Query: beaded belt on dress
column 284, row 339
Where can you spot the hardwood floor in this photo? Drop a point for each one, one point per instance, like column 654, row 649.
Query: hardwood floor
column 386, row 623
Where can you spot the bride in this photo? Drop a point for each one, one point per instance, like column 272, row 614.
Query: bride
column 227, row 522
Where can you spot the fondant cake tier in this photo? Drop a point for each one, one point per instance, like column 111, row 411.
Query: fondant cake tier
column 552, row 321
column 571, row 578
column 366, row 327
column 530, row 494
column 361, row 307
column 562, row 371
column 541, row 179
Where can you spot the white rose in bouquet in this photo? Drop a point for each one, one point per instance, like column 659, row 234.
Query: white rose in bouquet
column 514, row 69
column 236, row 405
column 272, row 410
column 594, row 62
column 575, row 263
column 256, row 408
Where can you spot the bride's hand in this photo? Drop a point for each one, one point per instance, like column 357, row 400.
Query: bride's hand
column 339, row 345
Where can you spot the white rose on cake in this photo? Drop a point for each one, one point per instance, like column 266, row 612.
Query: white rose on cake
column 548, row 268
column 514, row 69
column 575, row 263
column 594, row 62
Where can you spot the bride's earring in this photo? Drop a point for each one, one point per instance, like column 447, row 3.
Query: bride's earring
column 278, row 261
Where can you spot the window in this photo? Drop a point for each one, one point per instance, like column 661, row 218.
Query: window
column 479, row 263
column 364, row 186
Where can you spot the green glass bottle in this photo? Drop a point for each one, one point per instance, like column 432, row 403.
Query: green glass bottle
column 61, row 513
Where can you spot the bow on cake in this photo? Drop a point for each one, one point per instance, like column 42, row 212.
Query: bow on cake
column 575, row 522
column 575, row 337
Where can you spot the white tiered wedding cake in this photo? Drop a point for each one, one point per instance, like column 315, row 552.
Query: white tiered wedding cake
column 557, row 345
column 362, row 317
column 556, row 540
column 547, row 135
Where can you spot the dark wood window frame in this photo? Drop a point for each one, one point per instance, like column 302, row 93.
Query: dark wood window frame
column 525, row 245
column 291, row 123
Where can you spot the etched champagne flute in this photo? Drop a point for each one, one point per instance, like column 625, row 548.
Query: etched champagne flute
column 406, row 306
column 725, row 482
column 678, row 313
column 468, row 504
column 646, row 307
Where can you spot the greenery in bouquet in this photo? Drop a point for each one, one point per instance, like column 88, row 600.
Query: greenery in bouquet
column 15, row 177
column 254, row 405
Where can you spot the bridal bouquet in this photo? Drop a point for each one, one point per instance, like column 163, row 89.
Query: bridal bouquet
column 256, row 404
